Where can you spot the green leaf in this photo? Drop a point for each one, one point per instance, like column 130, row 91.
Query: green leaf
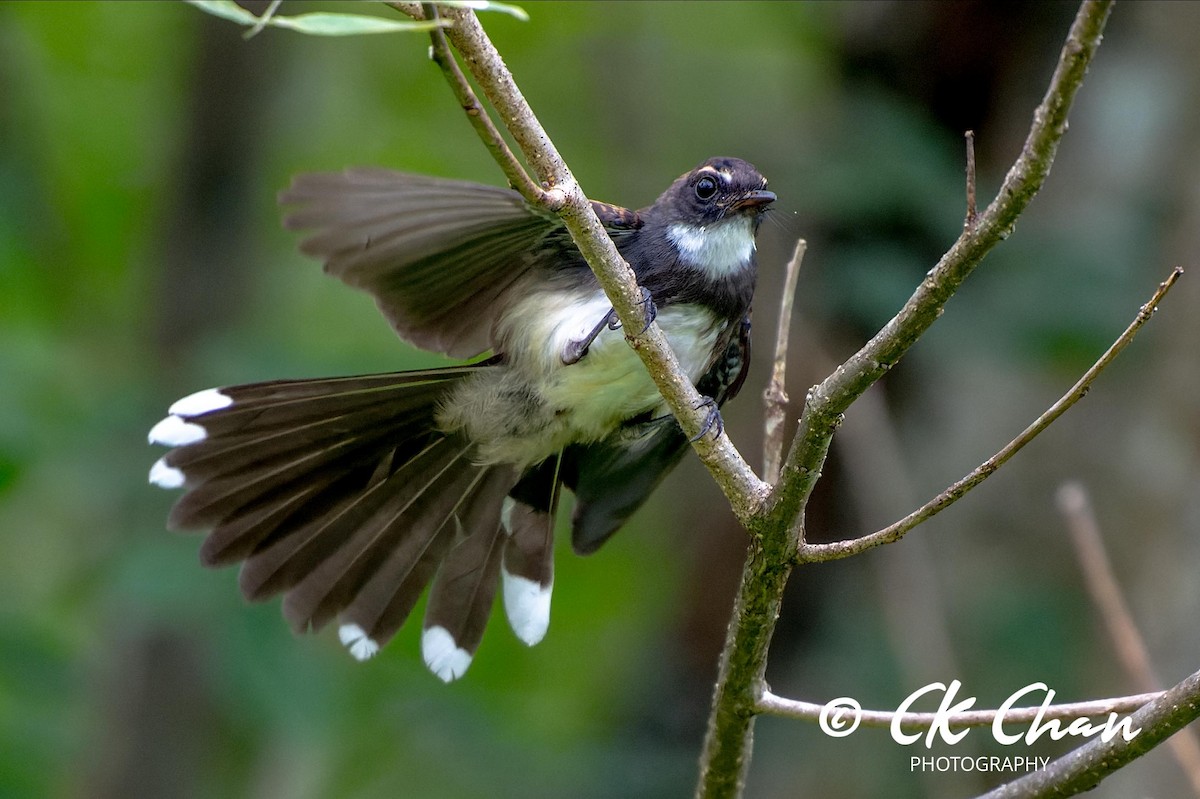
column 225, row 9
column 315, row 24
column 321, row 24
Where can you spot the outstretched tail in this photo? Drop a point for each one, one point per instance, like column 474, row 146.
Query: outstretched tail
column 344, row 496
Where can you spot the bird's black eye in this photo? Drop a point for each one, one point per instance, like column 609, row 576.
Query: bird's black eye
column 706, row 188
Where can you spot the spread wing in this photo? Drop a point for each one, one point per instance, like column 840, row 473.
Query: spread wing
column 612, row 478
column 441, row 257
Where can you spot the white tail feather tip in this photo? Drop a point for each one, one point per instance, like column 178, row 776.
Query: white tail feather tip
column 206, row 401
column 174, row 432
column 527, row 605
column 442, row 655
column 355, row 639
column 165, row 476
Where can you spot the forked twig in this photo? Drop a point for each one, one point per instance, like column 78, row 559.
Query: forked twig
column 808, row 553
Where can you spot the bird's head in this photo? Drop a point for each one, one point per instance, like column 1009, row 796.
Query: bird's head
column 712, row 213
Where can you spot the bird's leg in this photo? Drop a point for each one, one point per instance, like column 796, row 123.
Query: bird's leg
column 649, row 311
column 712, row 420
column 577, row 348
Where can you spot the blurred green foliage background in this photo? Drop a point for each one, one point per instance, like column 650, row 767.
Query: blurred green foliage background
column 141, row 147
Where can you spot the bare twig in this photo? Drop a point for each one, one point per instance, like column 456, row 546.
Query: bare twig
column 809, row 711
column 897, row 530
column 971, row 214
column 1102, row 584
column 775, row 396
column 778, row 526
column 1076, row 509
column 1083, row 768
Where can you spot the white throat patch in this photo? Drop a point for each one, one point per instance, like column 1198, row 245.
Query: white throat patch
column 717, row 249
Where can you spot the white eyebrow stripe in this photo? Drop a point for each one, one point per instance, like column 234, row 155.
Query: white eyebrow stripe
column 723, row 175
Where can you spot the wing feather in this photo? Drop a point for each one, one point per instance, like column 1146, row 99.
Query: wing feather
column 439, row 256
column 423, row 247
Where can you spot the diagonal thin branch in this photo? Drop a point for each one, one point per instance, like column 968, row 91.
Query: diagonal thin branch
column 1076, row 509
column 1106, row 592
column 775, row 396
column 773, row 705
column 808, row 553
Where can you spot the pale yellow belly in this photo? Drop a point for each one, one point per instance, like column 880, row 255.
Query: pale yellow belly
column 532, row 406
column 610, row 384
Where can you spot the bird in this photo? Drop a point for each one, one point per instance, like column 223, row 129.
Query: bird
column 352, row 495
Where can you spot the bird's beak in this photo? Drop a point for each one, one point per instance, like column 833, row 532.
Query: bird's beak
column 754, row 199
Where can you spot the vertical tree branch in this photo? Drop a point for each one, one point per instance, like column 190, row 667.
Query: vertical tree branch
column 778, row 527
column 775, row 396
column 972, row 213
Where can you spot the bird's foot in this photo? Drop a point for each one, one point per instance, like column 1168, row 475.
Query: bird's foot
column 712, row 421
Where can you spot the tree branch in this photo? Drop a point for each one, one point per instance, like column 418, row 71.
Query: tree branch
column 972, row 213
column 808, row 553
column 1083, row 768
column 1131, row 650
column 775, row 396
column 777, row 529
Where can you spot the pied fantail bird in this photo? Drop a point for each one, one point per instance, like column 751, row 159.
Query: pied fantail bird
column 349, row 495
